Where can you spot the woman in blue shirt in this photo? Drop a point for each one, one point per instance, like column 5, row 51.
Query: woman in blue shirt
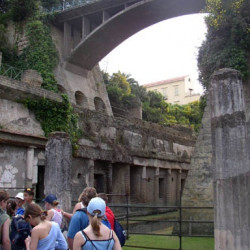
column 46, row 235
column 96, row 236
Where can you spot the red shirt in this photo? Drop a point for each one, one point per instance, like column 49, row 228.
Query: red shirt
column 110, row 217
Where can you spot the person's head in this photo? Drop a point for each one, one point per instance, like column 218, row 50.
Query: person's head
column 19, row 199
column 87, row 194
column 50, row 201
column 11, row 207
column 28, row 194
column 34, row 214
column 103, row 196
column 96, row 211
column 4, row 196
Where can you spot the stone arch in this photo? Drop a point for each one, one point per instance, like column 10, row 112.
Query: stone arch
column 61, row 89
column 99, row 105
column 80, row 99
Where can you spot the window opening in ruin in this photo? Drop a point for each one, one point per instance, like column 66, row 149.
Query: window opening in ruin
column 80, row 98
column 161, row 188
column 40, row 183
column 99, row 183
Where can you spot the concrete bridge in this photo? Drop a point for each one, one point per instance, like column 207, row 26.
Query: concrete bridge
column 93, row 30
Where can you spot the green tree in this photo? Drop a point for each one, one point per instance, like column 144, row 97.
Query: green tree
column 21, row 10
column 227, row 41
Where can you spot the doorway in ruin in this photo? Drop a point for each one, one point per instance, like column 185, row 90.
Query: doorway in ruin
column 40, row 183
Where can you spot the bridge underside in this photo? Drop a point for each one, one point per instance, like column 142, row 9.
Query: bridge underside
column 89, row 35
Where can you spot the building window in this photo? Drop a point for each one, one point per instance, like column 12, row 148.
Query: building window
column 161, row 188
column 164, row 93
column 176, row 90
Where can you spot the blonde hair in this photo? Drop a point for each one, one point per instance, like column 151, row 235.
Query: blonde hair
column 96, row 223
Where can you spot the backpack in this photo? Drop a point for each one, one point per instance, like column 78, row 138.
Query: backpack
column 120, row 232
column 20, row 230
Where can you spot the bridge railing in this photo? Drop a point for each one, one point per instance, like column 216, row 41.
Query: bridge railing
column 69, row 5
column 10, row 71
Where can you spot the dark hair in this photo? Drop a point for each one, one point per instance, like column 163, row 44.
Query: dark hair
column 87, row 194
column 11, row 207
column 35, row 210
column 29, row 191
column 4, row 196
column 103, row 196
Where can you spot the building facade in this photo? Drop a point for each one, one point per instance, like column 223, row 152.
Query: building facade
column 178, row 90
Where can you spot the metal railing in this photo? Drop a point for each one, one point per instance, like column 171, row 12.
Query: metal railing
column 179, row 221
column 66, row 5
column 10, row 71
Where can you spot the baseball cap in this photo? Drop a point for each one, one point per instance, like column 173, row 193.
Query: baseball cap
column 96, row 205
column 20, row 196
column 50, row 198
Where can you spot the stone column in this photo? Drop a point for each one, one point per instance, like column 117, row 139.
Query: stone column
column 67, row 39
column 230, row 161
column 58, row 165
column 29, row 165
column 0, row 58
column 178, row 187
column 90, row 178
column 156, row 184
column 169, row 198
column 110, row 179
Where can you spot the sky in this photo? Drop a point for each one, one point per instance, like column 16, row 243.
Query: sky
column 162, row 51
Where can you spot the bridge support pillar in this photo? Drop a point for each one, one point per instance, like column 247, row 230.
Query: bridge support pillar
column 105, row 16
column 67, row 39
column 85, row 27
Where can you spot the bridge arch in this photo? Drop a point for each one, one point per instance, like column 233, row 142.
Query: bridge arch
column 97, row 37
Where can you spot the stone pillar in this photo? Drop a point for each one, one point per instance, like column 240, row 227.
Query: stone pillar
column 90, row 178
column 178, row 187
column 0, row 58
column 85, row 27
column 57, row 178
column 156, row 184
column 169, row 198
column 110, row 179
column 127, row 179
column 67, row 39
column 230, row 161
column 29, row 166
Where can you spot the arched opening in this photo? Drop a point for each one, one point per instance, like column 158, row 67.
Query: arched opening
column 61, row 89
column 99, row 105
column 80, row 98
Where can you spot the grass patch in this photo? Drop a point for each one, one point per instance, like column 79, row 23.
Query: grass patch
column 188, row 243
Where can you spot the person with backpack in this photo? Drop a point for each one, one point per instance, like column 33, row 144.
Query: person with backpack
column 45, row 235
column 4, row 222
column 80, row 220
column 19, row 231
column 96, row 236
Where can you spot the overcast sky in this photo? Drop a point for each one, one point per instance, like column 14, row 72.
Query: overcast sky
column 165, row 50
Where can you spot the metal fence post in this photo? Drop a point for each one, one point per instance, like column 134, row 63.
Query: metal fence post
column 180, row 224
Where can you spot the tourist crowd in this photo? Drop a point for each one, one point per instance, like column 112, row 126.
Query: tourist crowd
column 25, row 225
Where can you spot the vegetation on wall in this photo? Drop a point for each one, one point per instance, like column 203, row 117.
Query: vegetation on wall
column 40, row 55
column 154, row 107
column 227, row 43
column 55, row 116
